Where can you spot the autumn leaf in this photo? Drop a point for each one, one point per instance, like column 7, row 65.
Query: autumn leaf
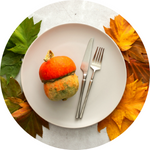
column 125, row 36
column 32, row 124
column 127, row 110
column 122, row 33
column 20, row 109
column 112, row 128
column 25, row 109
column 29, row 120
column 140, row 70
column 13, row 104
column 12, row 89
column 137, row 51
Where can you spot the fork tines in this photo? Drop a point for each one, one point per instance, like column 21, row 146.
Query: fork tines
column 98, row 54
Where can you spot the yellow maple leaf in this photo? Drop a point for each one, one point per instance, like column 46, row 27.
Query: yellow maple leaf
column 127, row 110
column 127, row 39
column 122, row 33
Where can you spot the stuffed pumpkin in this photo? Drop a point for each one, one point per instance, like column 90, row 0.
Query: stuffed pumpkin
column 59, row 78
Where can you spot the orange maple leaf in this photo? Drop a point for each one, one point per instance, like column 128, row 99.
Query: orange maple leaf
column 127, row 110
column 25, row 109
column 30, row 121
column 125, row 36
column 18, row 106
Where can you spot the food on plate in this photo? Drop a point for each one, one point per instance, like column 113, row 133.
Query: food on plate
column 59, row 78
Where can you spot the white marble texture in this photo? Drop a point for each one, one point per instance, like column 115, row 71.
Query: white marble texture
column 74, row 139
column 73, row 11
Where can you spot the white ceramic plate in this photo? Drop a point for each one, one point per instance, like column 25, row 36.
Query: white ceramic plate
column 109, row 83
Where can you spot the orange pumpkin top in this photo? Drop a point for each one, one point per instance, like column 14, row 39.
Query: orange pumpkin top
column 56, row 67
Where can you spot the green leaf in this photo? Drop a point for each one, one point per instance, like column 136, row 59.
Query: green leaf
column 10, row 58
column 23, row 36
column 10, row 71
column 10, row 65
column 9, row 45
column 12, row 89
column 17, row 46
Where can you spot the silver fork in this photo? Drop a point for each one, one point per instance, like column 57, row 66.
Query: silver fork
column 95, row 66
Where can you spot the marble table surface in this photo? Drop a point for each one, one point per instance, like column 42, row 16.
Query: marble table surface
column 91, row 14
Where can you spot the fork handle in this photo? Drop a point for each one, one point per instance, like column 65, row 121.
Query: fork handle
column 87, row 94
